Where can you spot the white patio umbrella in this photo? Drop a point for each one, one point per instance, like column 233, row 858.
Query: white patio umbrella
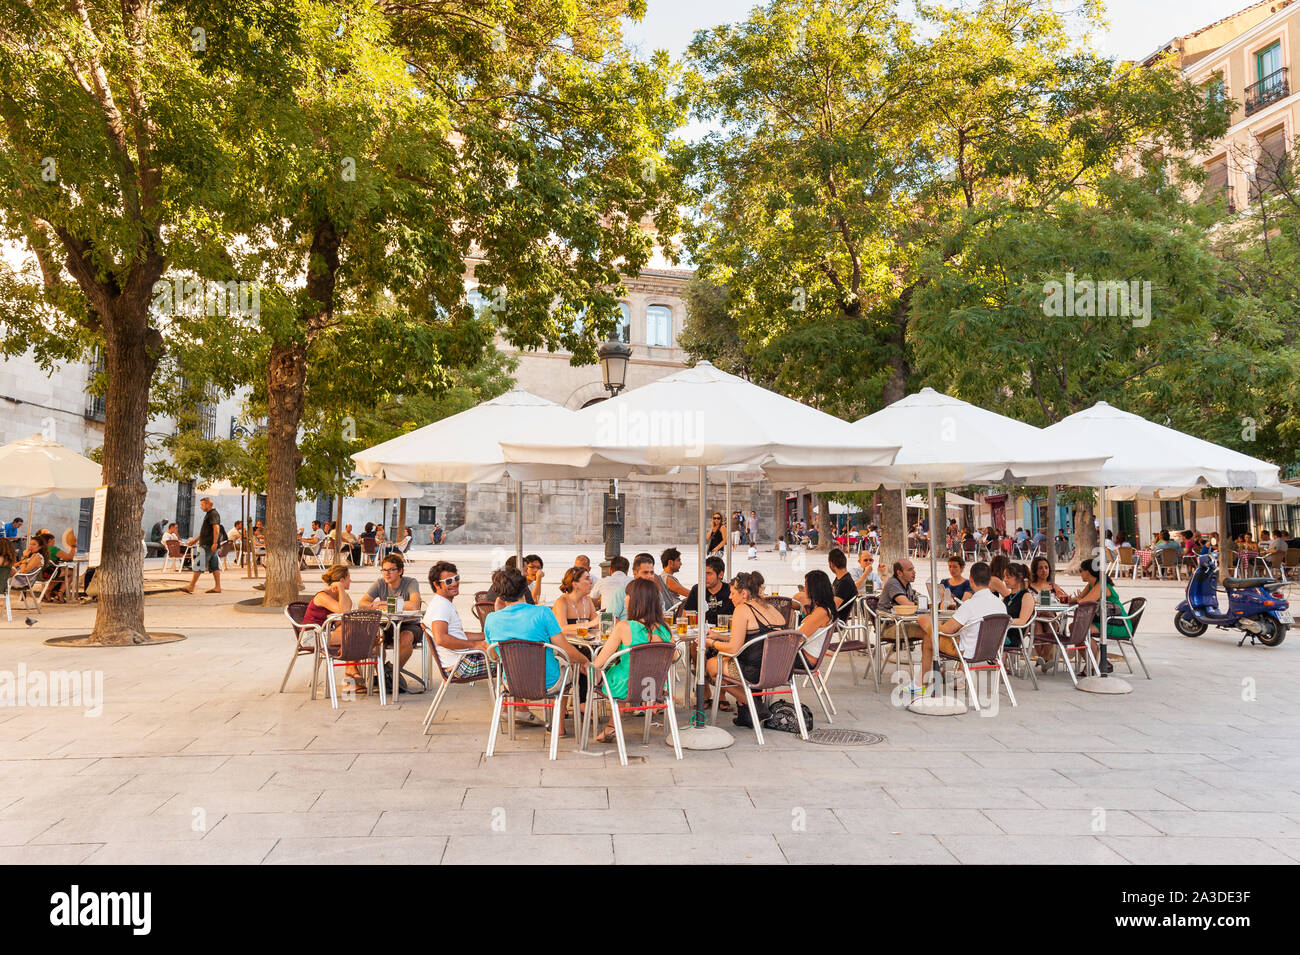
column 1145, row 454
column 946, row 441
column 702, row 417
column 384, row 488
column 35, row 467
column 465, row 448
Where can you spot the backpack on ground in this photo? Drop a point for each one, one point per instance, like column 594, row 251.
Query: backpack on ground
column 781, row 717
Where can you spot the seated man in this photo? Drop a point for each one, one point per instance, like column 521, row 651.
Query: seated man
column 610, row 594
column 14, row 528
column 718, row 598
column 674, row 590
column 519, row 620
column 406, row 593
column 462, row 655
column 964, row 624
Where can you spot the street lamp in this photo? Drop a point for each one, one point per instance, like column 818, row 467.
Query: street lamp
column 613, row 357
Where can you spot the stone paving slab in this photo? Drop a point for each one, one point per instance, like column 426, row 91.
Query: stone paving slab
column 197, row 758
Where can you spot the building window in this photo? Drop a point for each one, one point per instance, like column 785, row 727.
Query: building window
column 1171, row 515
column 659, row 326
column 428, row 515
column 1270, row 163
column 96, row 407
column 1268, row 60
column 1216, row 182
column 624, row 331
column 1270, row 79
column 324, row 509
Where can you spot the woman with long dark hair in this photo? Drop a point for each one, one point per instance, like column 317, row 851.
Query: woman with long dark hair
column 819, row 612
column 645, row 622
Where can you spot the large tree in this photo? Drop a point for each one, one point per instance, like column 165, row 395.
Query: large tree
column 854, row 151
column 113, row 169
column 390, row 145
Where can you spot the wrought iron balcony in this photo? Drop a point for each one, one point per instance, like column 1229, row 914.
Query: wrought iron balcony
column 1268, row 90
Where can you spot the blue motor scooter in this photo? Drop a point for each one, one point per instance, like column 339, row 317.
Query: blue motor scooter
column 1262, row 614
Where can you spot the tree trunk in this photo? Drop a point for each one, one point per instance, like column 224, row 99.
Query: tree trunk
column 893, row 535
column 285, row 376
column 1085, row 536
column 1227, row 553
column 939, row 524
column 131, row 350
column 825, row 536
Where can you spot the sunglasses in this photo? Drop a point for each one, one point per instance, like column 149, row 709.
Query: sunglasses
column 391, row 570
column 448, row 581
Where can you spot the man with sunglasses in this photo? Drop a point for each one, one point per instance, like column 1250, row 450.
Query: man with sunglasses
column 406, row 590
column 461, row 654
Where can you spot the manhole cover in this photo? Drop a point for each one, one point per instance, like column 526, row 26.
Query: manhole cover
column 844, row 738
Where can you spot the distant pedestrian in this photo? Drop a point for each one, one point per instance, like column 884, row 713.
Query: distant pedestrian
column 207, row 543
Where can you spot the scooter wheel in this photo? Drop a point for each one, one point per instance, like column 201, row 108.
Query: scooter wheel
column 1275, row 631
column 1188, row 625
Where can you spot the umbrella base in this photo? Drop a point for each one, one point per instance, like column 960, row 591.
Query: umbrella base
column 1109, row 685
column 937, row 706
column 702, row 737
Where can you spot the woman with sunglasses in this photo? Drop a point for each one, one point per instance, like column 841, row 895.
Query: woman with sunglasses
column 717, row 539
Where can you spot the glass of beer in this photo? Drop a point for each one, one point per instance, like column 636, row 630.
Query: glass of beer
column 692, row 618
column 582, row 632
column 681, row 625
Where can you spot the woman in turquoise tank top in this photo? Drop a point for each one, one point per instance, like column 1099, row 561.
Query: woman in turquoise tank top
column 645, row 622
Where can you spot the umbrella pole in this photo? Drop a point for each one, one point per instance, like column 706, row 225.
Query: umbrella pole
column 698, row 734
column 519, row 525
column 1100, row 683
column 935, row 705
column 701, row 605
column 730, row 566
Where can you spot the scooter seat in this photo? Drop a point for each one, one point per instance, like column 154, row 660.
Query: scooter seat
column 1237, row 583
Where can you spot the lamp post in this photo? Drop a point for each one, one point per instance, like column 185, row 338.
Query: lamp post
column 613, row 357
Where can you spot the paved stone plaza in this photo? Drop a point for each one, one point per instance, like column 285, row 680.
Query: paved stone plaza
column 196, row 758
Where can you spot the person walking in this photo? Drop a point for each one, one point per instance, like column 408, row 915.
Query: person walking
column 208, row 541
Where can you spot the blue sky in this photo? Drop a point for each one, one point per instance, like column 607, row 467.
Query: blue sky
column 1136, row 26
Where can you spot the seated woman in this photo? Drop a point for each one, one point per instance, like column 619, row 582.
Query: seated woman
column 957, row 586
column 1020, row 604
column 997, row 574
column 1116, row 626
column 62, row 587
column 574, row 609
column 382, row 546
column 1041, row 580
column 819, row 611
column 645, row 622
column 752, row 617
column 336, row 599
column 517, row 619
column 33, row 558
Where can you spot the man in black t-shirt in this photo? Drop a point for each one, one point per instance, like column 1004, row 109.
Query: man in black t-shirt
column 207, row 542
column 841, row 583
column 718, row 594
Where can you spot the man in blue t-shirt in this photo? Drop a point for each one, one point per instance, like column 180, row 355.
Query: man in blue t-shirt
column 519, row 620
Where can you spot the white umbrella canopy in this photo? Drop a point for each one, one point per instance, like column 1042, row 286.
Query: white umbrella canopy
column 466, row 448
column 1143, row 453
column 1280, row 494
column 946, row 441
column 384, row 488
column 38, row 467
column 703, row 417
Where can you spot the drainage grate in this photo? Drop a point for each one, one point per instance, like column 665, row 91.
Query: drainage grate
column 844, row 738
